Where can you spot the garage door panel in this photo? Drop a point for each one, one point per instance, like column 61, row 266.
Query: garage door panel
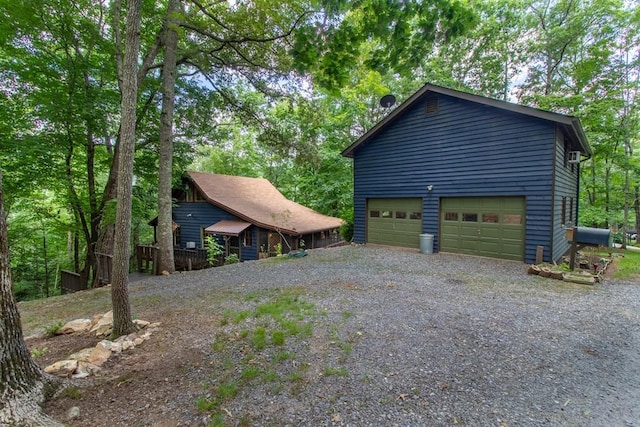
column 488, row 226
column 396, row 222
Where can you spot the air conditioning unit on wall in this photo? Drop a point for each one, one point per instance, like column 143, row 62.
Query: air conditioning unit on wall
column 574, row 157
column 191, row 245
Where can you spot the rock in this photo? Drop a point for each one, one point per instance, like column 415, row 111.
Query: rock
column 85, row 369
column 73, row 413
column 114, row 347
column 126, row 345
column 103, row 325
column 138, row 341
column 99, row 355
column 141, row 323
column 82, row 355
column 165, row 273
column 78, row 325
column 62, row 368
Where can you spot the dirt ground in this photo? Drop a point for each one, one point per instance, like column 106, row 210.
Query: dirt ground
column 137, row 387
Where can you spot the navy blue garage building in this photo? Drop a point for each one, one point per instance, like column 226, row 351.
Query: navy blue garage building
column 483, row 176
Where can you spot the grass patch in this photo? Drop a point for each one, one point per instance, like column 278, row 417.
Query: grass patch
column 628, row 265
column 254, row 352
column 259, row 339
column 270, row 376
column 228, row 390
column 73, row 393
column 51, row 330
column 219, row 344
column 235, row 317
column 283, row 306
column 38, row 352
column 278, row 337
column 339, row 371
column 250, row 373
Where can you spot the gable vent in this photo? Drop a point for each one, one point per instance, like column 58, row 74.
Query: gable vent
column 431, row 104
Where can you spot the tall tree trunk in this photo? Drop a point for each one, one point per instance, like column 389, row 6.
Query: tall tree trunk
column 23, row 385
column 122, row 323
column 165, row 169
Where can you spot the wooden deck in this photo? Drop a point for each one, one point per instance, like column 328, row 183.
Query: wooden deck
column 146, row 263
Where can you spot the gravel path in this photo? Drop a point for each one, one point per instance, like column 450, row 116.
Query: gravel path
column 406, row 339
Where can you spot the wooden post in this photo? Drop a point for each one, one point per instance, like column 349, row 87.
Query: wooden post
column 139, row 257
column 154, row 250
column 574, row 249
column 539, row 254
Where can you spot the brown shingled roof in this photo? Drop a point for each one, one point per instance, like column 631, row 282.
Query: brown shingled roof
column 256, row 200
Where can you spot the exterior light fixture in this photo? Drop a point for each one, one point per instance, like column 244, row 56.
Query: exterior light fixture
column 429, row 187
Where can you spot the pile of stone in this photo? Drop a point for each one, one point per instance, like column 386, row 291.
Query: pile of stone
column 88, row 361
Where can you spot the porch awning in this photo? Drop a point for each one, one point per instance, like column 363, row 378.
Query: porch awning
column 227, row 227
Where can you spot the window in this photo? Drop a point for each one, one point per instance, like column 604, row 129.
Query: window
column 451, row 216
column 415, row 215
column 490, row 218
column 563, row 214
column 374, row 214
column 571, row 210
column 401, row 215
column 470, row 217
column 247, row 238
column 512, row 219
column 387, row 214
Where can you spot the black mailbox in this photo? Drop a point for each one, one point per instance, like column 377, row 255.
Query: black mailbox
column 593, row 236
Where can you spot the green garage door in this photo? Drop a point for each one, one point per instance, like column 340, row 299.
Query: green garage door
column 396, row 222
column 487, row 226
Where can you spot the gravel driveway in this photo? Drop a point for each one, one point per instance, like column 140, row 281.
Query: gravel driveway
column 437, row 340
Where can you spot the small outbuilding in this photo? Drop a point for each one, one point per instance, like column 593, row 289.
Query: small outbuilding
column 249, row 216
column 481, row 176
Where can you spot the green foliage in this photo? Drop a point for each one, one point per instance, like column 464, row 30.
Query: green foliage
column 52, row 330
column 214, row 249
column 379, row 35
column 231, row 259
column 38, row 352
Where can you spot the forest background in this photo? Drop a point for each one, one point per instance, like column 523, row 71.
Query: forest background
column 278, row 90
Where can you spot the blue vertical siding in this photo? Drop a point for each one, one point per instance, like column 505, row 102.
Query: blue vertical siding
column 192, row 217
column 465, row 149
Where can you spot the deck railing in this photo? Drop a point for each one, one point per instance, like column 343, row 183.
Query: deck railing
column 184, row 259
column 190, row 259
column 71, row 282
column 147, row 258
